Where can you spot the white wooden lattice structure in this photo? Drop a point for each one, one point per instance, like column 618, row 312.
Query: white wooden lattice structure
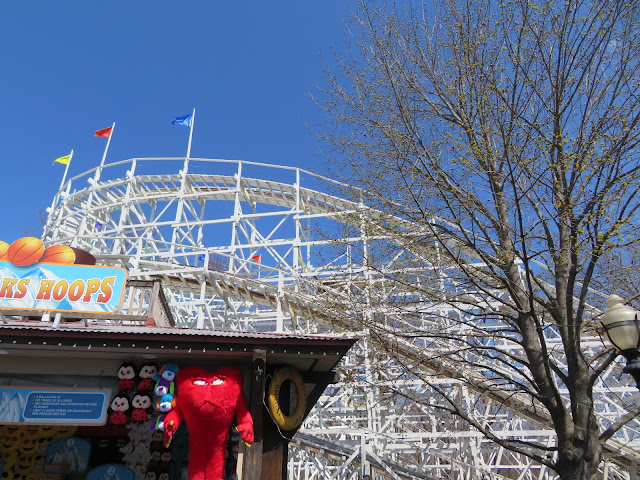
column 236, row 246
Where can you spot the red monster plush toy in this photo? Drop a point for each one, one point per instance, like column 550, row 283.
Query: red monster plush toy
column 208, row 402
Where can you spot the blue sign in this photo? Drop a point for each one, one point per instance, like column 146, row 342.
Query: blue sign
column 67, row 456
column 81, row 406
column 111, row 471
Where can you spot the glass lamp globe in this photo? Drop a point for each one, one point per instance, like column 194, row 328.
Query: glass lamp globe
column 621, row 324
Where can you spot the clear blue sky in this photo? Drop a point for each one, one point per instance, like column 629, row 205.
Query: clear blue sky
column 72, row 67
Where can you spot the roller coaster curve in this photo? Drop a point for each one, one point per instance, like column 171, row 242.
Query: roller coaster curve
column 249, row 246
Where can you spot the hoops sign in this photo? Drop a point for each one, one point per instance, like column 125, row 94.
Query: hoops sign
column 64, row 288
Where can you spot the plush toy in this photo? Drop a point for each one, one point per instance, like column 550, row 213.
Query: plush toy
column 7, row 460
column 127, row 374
column 129, row 455
column 65, row 431
column 165, row 460
column 155, row 459
column 142, row 406
column 164, row 379
column 163, row 405
column 208, row 402
column 146, row 374
column 151, row 475
column 156, row 441
column 164, row 391
column 166, row 403
column 157, row 424
column 119, row 409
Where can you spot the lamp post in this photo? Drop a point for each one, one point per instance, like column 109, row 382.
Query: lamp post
column 622, row 327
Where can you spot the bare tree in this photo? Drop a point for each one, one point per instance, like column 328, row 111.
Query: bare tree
column 496, row 140
column 619, row 272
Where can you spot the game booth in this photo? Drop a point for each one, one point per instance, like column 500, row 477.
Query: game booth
column 92, row 390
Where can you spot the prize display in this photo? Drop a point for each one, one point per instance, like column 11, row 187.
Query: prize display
column 202, row 414
column 208, row 402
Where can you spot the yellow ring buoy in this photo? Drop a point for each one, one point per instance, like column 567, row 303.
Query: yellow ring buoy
column 286, row 422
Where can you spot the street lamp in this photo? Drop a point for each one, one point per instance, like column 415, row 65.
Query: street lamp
column 622, row 326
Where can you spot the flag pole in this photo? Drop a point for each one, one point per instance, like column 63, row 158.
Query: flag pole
column 56, row 197
column 104, row 155
column 193, row 120
column 64, row 177
column 183, row 184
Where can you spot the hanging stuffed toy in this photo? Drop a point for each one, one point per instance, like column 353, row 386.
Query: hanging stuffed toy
column 163, row 405
column 155, row 459
column 127, row 375
column 208, row 403
column 145, row 377
column 142, row 406
column 156, row 441
column 165, row 460
column 164, row 391
column 166, row 403
column 164, row 379
column 119, row 409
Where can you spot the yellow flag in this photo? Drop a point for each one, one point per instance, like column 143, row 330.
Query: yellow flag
column 63, row 160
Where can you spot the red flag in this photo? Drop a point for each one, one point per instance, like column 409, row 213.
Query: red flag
column 105, row 132
column 256, row 258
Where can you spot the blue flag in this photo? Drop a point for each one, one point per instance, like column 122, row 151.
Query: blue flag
column 186, row 120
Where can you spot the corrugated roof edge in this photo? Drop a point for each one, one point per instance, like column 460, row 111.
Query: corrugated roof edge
column 145, row 331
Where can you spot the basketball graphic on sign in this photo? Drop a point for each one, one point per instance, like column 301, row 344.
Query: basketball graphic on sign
column 4, row 248
column 59, row 254
column 25, row 251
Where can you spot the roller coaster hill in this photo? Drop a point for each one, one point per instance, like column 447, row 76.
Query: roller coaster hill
column 252, row 247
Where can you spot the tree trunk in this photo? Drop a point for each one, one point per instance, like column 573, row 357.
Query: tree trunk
column 578, row 459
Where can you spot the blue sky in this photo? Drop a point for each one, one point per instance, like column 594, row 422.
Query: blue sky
column 72, row 67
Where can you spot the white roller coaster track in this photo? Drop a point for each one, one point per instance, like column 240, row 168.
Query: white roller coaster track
column 236, row 245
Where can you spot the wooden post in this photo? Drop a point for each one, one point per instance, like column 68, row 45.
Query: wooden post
column 252, row 458
column 276, row 444
column 275, row 463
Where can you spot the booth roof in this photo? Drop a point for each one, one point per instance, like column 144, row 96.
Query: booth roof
column 120, row 342
column 33, row 328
